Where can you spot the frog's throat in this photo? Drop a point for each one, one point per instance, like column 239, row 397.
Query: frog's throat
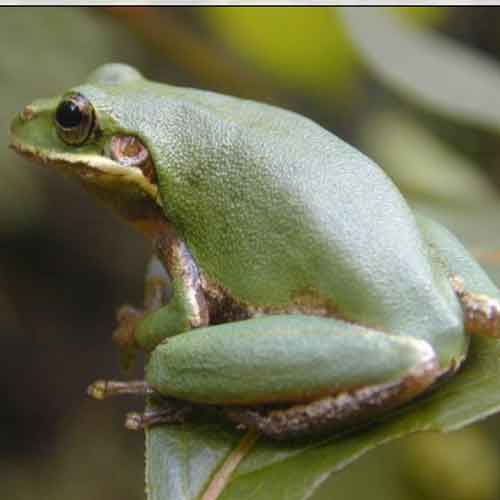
column 91, row 168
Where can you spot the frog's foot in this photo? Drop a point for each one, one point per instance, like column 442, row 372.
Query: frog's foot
column 345, row 409
column 481, row 312
column 124, row 335
column 169, row 410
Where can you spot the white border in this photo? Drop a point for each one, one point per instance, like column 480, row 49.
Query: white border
column 418, row 3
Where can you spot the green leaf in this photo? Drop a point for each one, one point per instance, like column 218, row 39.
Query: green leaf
column 180, row 459
column 434, row 71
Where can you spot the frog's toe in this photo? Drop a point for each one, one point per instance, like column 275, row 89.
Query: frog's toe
column 481, row 312
column 124, row 335
column 171, row 412
column 102, row 389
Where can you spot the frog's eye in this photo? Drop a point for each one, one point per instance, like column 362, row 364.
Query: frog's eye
column 75, row 119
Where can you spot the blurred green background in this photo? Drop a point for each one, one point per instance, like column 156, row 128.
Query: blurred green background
column 66, row 263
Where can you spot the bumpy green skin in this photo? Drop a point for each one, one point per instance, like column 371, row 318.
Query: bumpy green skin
column 271, row 206
column 274, row 208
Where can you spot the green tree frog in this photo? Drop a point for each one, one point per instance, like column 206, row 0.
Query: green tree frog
column 291, row 286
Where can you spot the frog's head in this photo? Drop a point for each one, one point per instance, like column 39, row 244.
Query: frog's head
column 81, row 134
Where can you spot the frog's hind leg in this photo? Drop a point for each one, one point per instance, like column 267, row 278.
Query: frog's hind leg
column 324, row 372
column 330, row 413
column 479, row 297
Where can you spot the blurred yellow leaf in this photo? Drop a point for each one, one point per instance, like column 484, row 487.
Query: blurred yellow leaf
column 298, row 46
column 303, row 48
column 436, row 465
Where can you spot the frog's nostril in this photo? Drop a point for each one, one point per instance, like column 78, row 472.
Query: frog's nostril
column 26, row 114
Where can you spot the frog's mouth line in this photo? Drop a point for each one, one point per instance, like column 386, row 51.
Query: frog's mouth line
column 91, row 168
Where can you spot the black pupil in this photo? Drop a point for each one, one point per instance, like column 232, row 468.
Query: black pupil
column 68, row 114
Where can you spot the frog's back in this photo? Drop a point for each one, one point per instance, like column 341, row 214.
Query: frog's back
column 275, row 208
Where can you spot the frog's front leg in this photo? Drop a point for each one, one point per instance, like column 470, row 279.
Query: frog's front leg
column 157, row 292
column 324, row 371
column 174, row 301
